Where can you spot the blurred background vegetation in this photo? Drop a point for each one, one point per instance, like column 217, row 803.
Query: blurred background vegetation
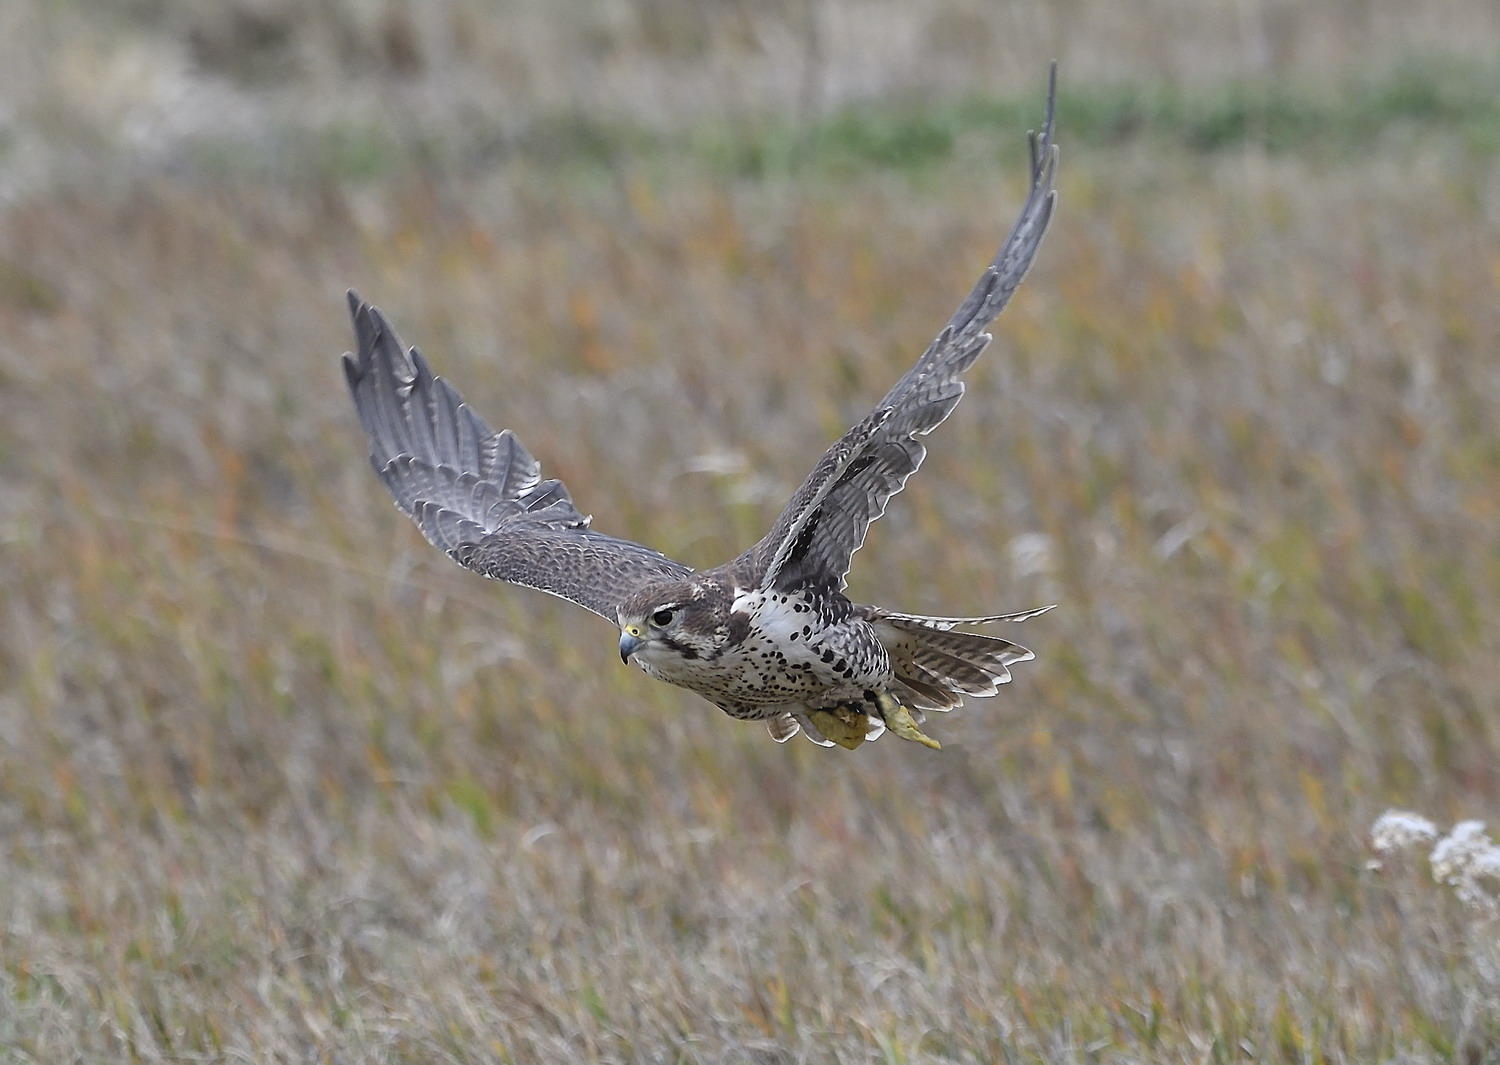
column 279, row 783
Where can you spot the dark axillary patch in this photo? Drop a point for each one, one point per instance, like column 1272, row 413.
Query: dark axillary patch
column 739, row 627
column 804, row 538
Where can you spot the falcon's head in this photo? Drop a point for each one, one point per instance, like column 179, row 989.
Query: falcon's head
column 670, row 622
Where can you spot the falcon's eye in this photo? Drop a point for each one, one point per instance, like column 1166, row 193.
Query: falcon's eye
column 663, row 617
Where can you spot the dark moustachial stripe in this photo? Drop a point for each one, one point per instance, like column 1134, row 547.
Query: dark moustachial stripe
column 683, row 649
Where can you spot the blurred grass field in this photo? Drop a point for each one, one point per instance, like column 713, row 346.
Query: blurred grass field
column 279, row 783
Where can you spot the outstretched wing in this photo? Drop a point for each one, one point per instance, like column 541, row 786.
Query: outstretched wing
column 826, row 520
column 477, row 494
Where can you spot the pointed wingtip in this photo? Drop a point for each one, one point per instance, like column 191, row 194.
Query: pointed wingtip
column 1050, row 122
column 367, row 325
column 353, row 371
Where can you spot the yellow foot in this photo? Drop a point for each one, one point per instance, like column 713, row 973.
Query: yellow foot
column 842, row 725
column 899, row 720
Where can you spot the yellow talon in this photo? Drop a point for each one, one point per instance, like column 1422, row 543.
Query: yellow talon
column 899, row 720
column 843, row 726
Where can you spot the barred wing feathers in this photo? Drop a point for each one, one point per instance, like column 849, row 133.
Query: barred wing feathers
column 816, row 535
column 476, row 494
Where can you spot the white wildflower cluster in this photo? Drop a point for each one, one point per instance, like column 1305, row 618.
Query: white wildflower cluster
column 1465, row 859
column 1468, row 862
column 1398, row 829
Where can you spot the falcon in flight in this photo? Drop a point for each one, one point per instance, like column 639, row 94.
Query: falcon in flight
column 769, row 636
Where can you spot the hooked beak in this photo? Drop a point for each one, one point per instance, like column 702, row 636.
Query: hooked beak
column 629, row 640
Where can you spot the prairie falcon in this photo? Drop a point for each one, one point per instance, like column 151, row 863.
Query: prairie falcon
column 769, row 636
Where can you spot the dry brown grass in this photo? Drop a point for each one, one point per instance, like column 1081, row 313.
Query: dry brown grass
column 277, row 783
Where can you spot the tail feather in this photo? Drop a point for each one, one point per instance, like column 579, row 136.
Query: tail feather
column 938, row 666
column 973, row 676
column 970, row 647
column 944, row 624
column 922, row 694
column 954, row 694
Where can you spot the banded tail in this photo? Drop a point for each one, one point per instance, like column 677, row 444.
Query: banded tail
column 936, row 667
